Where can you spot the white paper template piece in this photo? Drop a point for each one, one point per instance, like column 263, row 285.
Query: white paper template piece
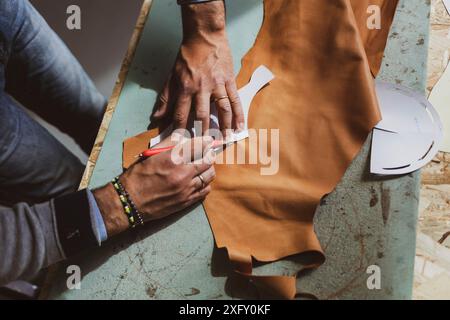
column 392, row 152
column 165, row 134
column 235, row 138
column 409, row 135
column 440, row 99
column 447, row 5
column 260, row 77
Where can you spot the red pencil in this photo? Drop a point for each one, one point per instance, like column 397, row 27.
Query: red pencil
column 152, row 152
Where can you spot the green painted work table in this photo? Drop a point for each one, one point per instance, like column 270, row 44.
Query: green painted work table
column 366, row 221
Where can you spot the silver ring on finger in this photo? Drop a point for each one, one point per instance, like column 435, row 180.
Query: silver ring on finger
column 163, row 99
column 202, row 181
column 220, row 98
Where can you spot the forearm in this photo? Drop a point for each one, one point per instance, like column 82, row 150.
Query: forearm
column 200, row 20
column 203, row 72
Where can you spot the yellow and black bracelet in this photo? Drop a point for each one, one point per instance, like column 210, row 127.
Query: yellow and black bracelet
column 130, row 209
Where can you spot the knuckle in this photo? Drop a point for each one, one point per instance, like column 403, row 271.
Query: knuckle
column 184, row 175
column 224, row 108
column 183, row 195
column 205, row 191
column 239, row 116
column 201, row 113
column 175, row 180
column 196, row 169
column 185, row 86
column 179, row 116
column 186, row 89
column 218, row 81
column 234, row 99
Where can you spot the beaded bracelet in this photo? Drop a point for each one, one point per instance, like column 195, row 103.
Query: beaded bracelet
column 130, row 209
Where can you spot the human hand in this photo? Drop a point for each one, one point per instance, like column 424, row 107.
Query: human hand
column 161, row 185
column 203, row 73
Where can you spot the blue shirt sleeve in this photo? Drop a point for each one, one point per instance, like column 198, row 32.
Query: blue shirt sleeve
column 98, row 225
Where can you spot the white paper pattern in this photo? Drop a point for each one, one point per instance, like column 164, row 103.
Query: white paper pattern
column 409, row 135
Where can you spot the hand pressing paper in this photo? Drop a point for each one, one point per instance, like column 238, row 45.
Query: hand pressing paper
column 135, row 145
column 409, row 135
column 260, row 78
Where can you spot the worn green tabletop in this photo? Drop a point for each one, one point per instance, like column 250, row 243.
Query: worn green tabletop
column 365, row 221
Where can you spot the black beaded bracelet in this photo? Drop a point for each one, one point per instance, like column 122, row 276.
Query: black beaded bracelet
column 130, row 209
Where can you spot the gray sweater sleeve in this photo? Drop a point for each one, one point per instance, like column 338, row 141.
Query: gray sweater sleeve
column 28, row 241
column 35, row 237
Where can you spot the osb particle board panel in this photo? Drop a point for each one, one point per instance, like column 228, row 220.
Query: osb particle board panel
column 438, row 172
column 432, row 269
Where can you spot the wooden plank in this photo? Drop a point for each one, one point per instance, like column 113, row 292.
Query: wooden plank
column 432, row 271
column 438, row 171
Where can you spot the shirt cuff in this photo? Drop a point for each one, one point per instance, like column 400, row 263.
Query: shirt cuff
column 74, row 223
column 98, row 224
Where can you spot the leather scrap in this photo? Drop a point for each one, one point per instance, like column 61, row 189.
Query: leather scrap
column 323, row 102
